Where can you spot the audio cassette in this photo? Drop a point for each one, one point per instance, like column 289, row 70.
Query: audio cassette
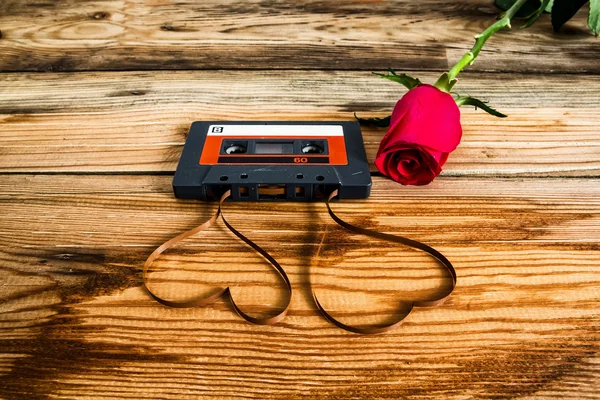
column 272, row 161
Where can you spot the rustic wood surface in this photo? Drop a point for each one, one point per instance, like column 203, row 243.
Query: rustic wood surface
column 87, row 152
column 67, row 35
column 137, row 122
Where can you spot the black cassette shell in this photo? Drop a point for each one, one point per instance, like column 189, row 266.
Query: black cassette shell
column 279, row 177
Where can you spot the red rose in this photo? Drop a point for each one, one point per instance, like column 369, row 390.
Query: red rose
column 424, row 129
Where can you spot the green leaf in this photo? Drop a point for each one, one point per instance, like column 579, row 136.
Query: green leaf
column 472, row 101
column 549, row 6
column 594, row 17
column 408, row 81
column 536, row 15
column 529, row 9
column 378, row 122
column 564, row 10
column 444, row 83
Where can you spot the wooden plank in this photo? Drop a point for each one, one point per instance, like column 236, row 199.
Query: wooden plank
column 523, row 320
column 137, row 121
column 254, row 34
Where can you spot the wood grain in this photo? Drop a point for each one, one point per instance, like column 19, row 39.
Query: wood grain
column 137, row 122
column 87, row 154
column 523, row 321
column 67, row 35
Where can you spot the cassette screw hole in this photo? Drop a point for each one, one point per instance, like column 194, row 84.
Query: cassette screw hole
column 300, row 176
column 244, row 176
column 320, row 178
column 235, row 149
column 223, row 178
column 312, row 149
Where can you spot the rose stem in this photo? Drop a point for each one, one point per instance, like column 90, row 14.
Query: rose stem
column 480, row 39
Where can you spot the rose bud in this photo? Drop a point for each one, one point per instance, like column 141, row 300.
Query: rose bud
column 424, row 129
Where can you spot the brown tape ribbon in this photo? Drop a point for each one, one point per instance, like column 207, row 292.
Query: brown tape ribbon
column 276, row 318
column 396, row 239
column 203, row 301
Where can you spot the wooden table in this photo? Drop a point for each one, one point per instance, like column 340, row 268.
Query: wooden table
column 95, row 102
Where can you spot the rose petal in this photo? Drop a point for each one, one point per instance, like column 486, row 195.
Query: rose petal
column 408, row 164
column 391, row 167
column 443, row 159
column 380, row 163
column 425, row 116
column 407, row 167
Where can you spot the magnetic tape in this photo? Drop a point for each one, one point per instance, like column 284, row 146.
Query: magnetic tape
column 266, row 161
column 271, row 161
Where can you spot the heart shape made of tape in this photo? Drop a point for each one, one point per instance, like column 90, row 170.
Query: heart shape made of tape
column 439, row 257
column 226, row 292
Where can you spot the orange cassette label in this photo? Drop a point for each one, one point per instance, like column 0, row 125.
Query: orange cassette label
column 274, row 144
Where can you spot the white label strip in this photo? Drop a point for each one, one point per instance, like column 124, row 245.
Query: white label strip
column 276, row 130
